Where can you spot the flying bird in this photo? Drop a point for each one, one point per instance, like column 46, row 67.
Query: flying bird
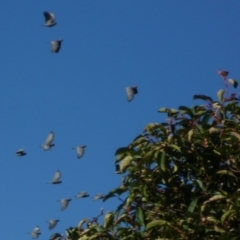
column 56, row 45
column 56, row 178
column 80, row 150
column 130, row 92
column 52, row 223
column 35, row 232
column 82, row 195
column 49, row 19
column 20, row 152
column 48, row 143
column 98, row 196
column 64, row 203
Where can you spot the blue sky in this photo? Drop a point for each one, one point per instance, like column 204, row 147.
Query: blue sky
column 170, row 49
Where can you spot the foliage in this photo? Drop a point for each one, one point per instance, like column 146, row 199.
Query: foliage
column 181, row 177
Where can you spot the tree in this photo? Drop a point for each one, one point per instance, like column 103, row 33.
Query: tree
column 181, row 177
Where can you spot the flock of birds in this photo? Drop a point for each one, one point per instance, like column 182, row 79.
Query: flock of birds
column 57, row 180
column 131, row 91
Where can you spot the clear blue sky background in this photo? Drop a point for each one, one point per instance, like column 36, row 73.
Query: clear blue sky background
column 170, row 49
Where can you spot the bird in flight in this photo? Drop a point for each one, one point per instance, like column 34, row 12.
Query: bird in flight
column 82, row 195
column 64, row 203
column 52, row 223
column 20, row 152
column 56, row 178
column 80, row 150
column 131, row 91
column 35, row 232
column 48, row 143
column 56, row 45
column 49, row 19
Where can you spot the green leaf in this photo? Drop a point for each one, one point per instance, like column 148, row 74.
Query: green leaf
column 215, row 198
column 163, row 110
column 193, row 205
column 218, row 229
column 55, row 236
column 175, row 167
column 138, row 141
column 186, row 110
column 206, row 117
column 202, row 97
column 99, row 228
column 109, row 195
column 108, row 219
column 139, row 136
column 79, row 226
column 125, row 163
column 140, row 216
column 200, row 184
column 212, row 219
column 150, row 127
column 213, row 130
column 112, row 193
column 220, row 95
column 216, row 105
column 95, row 236
column 156, row 224
column 175, row 147
column 173, row 111
column 161, row 161
column 227, row 214
column 120, row 157
column 226, row 172
column 233, row 82
column 235, row 135
column 190, row 134
column 121, row 218
column 121, row 150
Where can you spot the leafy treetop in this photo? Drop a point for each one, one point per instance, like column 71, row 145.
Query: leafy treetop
column 180, row 177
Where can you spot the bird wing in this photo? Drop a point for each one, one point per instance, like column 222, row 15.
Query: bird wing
column 56, row 176
column 49, row 139
column 49, row 17
column 135, row 91
column 52, row 16
column 20, row 150
column 36, row 230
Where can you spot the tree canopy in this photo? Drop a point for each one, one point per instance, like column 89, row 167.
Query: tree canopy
column 180, row 177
